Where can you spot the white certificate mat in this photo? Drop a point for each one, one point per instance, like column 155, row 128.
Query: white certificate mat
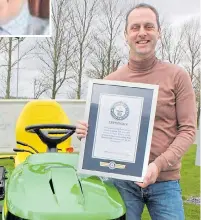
column 117, row 127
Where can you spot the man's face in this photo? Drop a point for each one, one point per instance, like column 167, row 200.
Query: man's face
column 9, row 9
column 142, row 32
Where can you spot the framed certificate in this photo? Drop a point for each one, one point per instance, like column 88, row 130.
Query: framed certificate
column 121, row 118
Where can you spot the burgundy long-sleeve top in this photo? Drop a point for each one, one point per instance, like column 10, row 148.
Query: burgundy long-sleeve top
column 175, row 119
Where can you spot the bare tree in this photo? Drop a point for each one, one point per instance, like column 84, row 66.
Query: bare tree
column 39, row 88
column 106, row 56
column 10, row 47
column 71, row 94
column 56, row 52
column 1, row 44
column 100, row 66
column 191, row 48
column 171, row 44
column 191, row 30
column 82, row 18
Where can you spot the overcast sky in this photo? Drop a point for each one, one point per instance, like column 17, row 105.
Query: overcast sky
column 175, row 11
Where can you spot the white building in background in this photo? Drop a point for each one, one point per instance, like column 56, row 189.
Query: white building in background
column 198, row 154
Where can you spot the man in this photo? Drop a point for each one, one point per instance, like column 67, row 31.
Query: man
column 175, row 120
column 15, row 17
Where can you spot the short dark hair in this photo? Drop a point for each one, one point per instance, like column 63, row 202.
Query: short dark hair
column 143, row 5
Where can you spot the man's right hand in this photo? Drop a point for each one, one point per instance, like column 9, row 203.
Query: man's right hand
column 81, row 129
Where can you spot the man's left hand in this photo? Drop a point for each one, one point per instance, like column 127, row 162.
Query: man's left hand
column 150, row 177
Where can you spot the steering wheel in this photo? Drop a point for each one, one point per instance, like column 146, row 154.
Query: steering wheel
column 52, row 141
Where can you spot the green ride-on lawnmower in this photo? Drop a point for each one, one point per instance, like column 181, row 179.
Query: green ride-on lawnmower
column 45, row 185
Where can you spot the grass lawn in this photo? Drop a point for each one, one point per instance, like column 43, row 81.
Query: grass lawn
column 190, row 183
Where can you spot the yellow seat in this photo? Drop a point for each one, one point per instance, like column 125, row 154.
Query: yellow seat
column 39, row 112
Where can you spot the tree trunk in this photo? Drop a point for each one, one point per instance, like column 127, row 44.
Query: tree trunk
column 8, row 81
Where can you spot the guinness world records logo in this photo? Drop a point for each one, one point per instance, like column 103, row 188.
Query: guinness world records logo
column 119, row 110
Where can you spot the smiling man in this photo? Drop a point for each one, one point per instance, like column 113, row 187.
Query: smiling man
column 174, row 126
column 15, row 18
column 142, row 33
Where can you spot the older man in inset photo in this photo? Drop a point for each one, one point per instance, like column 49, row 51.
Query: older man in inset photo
column 24, row 17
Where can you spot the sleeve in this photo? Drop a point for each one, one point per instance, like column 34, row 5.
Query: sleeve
column 186, row 122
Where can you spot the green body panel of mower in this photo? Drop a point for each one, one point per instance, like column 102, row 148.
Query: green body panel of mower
column 46, row 186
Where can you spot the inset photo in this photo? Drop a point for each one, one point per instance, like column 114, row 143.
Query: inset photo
column 26, row 18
